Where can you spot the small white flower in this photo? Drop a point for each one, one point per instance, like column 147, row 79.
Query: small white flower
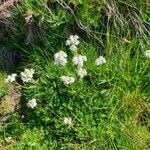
column 73, row 40
column 99, row 61
column 32, row 103
column 79, row 60
column 147, row 53
column 11, row 78
column 73, row 48
column 60, row 58
column 60, row 53
column 68, row 43
column 27, row 75
column 61, row 61
column 81, row 72
column 67, row 121
column 67, row 80
column 22, row 116
column 8, row 139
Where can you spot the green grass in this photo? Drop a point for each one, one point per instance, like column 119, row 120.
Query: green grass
column 3, row 86
column 110, row 107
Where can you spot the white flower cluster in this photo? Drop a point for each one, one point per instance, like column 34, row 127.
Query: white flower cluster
column 60, row 58
column 73, row 42
column 27, row 75
column 11, row 78
column 147, row 53
column 99, row 61
column 67, row 80
column 79, row 60
column 81, row 72
column 32, row 103
column 67, row 121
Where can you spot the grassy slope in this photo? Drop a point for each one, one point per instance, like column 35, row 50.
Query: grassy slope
column 110, row 107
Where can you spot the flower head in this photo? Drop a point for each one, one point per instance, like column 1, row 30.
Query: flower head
column 73, row 48
column 147, row 53
column 79, row 60
column 67, row 121
column 81, row 72
column 73, row 40
column 99, row 61
column 22, row 116
column 67, row 80
column 27, row 75
column 60, row 58
column 32, row 103
column 11, row 78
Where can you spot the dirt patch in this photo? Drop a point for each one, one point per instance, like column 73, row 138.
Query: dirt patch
column 9, row 102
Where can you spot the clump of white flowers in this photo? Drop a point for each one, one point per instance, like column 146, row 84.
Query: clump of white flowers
column 79, row 60
column 67, row 121
column 11, row 78
column 67, row 80
column 99, row 61
column 27, row 75
column 60, row 58
column 32, row 103
column 73, row 42
column 147, row 53
column 81, row 72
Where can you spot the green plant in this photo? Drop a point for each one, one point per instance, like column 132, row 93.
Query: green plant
column 3, row 86
column 109, row 107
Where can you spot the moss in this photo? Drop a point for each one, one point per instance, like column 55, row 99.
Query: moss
column 9, row 101
column 5, row 107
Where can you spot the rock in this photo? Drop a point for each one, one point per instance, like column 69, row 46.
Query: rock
column 8, row 59
column 8, row 102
